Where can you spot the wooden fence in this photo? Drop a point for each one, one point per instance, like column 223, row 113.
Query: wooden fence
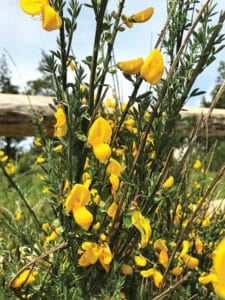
column 16, row 116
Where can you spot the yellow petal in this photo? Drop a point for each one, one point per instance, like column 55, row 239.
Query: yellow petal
column 142, row 225
column 114, row 167
column 153, row 67
column 197, row 165
column 168, row 183
column 90, row 256
column 142, row 16
column 100, row 132
column 102, row 152
column 25, row 278
column 132, row 66
column 147, row 273
column 112, row 210
column 33, row 7
column 207, row 278
column 105, row 256
column 190, row 261
column 160, row 245
column 51, row 20
column 199, row 246
column 140, row 261
column 163, row 258
column 61, row 131
column 60, row 117
column 115, row 182
column 157, row 278
column 78, row 196
column 219, row 269
column 83, row 217
column 177, row 271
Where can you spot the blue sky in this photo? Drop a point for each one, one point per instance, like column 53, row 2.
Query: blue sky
column 23, row 38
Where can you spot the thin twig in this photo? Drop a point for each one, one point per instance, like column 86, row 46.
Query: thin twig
column 172, row 287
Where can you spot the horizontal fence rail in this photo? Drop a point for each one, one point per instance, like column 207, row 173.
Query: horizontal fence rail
column 17, row 116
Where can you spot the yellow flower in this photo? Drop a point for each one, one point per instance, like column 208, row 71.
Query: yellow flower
column 51, row 20
column 160, row 245
column 46, row 227
column 140, row 261
column 60, row 126
column 2, row 153
column 10, row 168
column 197, row 165
column 72, row 66
column 177, row 271
column 78, row 196
column 142, row 16
column 114, row 167
column 18, row 215
column 157, row 278
column 112, row 209
column 207, row 278
column 90, row 256
column 163, row 258
column 58, row 148
column 115, row 182
column 142, row 225
column 46, row 191
column 37, row 142
column 131, row 66
column 40, row 160
column 190, row 261
column 168, row 183
column 4, row 158
column 100, row 132
column 33, row 7
column 147, row 273
column 185, row 249
column 25, row 278
column 126, row 269
column 83, row 217
column 219, row 270
column 110, row 103
column 61, row 131
column 199, row 246
column 102, row 152
column 153, row 67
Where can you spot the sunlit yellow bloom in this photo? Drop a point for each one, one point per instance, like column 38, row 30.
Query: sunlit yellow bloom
column 177, row 271
column 190, row 261
column 60, row 117
column 219, row 269
column 54, row 235
column 37, row 142
column 157, row 278
column 110, row 103
column 78, row 196
column 24, row 279
column 102, row 152
column 168, row 183
column 186, row 246
column 126, row 269
column 197, row 165
column 206, row 221
column 142, row 16
column 207, row 278
column 160, row 245
column 33, row 7
column 100, row 132
column 147, row 273
column 105, row 256
column 83, row 217
column 46, row 227
column 115, row 182
column 197, row 185
column 114, row 167
column 4, row 158
column 51, row 20
column 131, row 66
column 40, row 160
column 199, row 246
column 163, row 258
column 90, row 256
column 142, row 224
column 2, row 153
column 140, row 261
column 96, row 226
column 10, row 168
column 112, row 210
column 72, row 66
column 58, row 148
column 153, row 67
column 18, row 215
column 46, row 191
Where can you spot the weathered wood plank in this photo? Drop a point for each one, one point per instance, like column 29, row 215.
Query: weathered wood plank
column 16, row 116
